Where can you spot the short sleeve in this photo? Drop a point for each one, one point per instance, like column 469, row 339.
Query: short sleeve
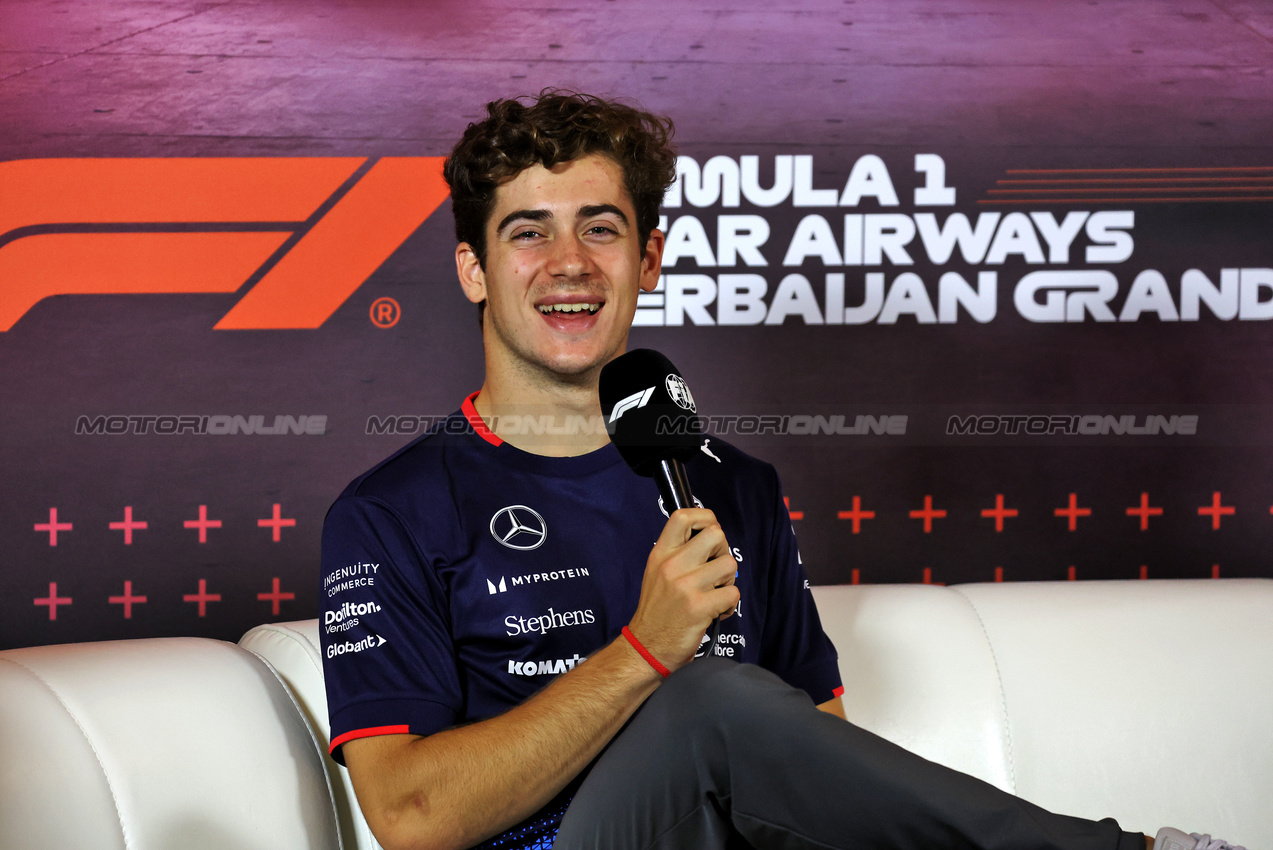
column 388, row 661
column 793, row 644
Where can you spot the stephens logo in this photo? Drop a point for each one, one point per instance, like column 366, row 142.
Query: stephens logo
column 312, row 228
column 545, row 623
column 519, row 527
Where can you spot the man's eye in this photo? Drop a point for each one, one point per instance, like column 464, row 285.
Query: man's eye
column 601, row 230
column 525, row 234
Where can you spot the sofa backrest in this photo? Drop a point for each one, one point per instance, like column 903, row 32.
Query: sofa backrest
column 181, row 743
column 292, row 649
column 1147, row 701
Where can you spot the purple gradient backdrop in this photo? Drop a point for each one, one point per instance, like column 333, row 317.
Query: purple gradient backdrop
column 990, row 86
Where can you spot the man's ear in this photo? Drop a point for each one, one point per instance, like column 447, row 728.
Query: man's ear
column 652, row 261
column 469, row 270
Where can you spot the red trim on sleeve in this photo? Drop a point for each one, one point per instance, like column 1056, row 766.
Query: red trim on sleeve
column 368, row 733
column 470, row 412
column 838, row 692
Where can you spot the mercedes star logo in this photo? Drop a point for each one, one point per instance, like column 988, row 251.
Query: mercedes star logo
column 519, row 527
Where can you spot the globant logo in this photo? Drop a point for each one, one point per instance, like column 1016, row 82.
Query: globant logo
column 369, row 642
column 543, row 624
column 531, row 669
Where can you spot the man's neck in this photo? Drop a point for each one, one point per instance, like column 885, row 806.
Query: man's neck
column 554, row 420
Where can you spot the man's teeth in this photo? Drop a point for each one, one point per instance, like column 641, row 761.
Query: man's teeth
column 568, row 308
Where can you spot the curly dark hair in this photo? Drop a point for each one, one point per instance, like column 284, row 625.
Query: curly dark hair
column 555, row 127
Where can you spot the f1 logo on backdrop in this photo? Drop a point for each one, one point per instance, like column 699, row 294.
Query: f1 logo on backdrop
column 316, row 226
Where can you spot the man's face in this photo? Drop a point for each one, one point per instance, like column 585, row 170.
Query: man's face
column 563, row 268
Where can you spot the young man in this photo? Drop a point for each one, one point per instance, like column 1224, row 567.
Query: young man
column 504, row 608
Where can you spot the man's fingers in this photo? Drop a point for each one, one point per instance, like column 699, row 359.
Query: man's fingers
column 718, row 572
column 683, row 523
column 726, row 599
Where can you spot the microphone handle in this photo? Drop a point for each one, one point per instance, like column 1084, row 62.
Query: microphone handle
column 674, row 487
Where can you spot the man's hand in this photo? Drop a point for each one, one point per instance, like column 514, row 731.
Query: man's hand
column 689, row 581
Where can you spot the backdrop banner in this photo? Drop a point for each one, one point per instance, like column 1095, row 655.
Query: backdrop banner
column 1038, row 359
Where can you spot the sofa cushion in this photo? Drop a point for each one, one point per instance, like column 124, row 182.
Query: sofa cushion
column 168, row 743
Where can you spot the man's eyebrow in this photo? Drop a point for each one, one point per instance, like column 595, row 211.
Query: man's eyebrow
column 528, row 215
column 602, row 209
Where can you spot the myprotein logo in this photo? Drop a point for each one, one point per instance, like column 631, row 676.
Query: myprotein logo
column 526, row 579
column 299, row 234
column 545, row 623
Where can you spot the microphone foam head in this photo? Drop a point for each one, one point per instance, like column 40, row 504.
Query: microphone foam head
column 649, row 410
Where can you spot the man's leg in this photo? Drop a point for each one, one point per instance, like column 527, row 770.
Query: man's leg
column 723, row 750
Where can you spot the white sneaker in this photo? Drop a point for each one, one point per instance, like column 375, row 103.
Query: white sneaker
column 1174, row 839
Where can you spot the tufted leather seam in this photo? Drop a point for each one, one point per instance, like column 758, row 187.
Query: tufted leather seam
column 299, row 637
column 1003, row 696
column 364, row 835
column 123, row 831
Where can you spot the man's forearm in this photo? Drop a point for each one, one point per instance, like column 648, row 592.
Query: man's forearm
column 460, row 786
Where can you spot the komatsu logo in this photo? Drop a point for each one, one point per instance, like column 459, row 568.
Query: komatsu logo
column 555, row 667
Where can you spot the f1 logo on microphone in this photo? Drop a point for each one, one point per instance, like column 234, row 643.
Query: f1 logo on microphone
column 640, row 398
column 308, row 230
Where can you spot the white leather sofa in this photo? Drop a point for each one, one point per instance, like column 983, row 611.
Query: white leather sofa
column 1148, row 701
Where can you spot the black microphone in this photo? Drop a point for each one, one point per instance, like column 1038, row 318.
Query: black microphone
column 653, row 422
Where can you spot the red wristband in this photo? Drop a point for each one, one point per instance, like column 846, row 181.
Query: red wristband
column 645, row 653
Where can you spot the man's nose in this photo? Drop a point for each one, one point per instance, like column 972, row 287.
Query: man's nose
column 570, row 257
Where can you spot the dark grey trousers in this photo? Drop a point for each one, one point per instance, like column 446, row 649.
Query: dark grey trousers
column 725, row 755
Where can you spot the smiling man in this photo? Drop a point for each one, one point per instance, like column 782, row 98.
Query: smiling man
column 521, row 669
column 558, row 275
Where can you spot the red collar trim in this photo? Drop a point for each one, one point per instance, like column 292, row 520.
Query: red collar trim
column 470, row 413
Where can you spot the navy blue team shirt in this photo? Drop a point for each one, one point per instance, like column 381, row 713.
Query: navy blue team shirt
column 460, row 575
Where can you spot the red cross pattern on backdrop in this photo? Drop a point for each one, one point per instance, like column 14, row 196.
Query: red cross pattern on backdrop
column 131, row 597
column 1071, row 512
column 860, row 516
column 202, row 523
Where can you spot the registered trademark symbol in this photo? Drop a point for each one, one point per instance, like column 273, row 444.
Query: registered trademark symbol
column 385, row 312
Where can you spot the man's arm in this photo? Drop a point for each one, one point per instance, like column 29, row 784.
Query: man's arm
column 457, row 787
